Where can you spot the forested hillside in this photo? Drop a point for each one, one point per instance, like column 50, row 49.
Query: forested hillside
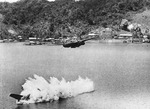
column 42, row 18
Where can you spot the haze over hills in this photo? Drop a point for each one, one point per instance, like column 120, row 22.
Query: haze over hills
column 143, row 18
column 42, row 18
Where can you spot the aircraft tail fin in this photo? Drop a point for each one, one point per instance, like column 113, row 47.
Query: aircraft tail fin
column 16, row 96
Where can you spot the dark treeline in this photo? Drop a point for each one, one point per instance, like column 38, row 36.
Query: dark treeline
column 41, row 18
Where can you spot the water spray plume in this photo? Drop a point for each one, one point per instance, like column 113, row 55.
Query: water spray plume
column 38, row 89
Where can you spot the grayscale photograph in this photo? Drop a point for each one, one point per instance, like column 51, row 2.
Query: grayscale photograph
column 74, row 54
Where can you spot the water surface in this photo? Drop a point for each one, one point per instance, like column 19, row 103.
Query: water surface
column 121, row 73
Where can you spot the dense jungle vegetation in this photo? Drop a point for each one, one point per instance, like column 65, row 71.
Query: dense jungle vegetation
column 42, row 18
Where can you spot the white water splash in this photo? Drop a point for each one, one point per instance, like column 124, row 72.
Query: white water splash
column 37, row 89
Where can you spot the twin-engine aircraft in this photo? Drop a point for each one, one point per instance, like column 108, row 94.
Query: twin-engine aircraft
column 75, row 42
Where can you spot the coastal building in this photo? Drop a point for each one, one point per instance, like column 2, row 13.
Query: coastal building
column 124, row 34
column 33, row 41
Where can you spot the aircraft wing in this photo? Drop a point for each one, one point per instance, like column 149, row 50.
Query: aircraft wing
column 16, row 96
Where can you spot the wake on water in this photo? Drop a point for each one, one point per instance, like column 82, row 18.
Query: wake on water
column 38, row 89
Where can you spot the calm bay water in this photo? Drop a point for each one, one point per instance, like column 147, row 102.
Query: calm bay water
column 121, row 73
